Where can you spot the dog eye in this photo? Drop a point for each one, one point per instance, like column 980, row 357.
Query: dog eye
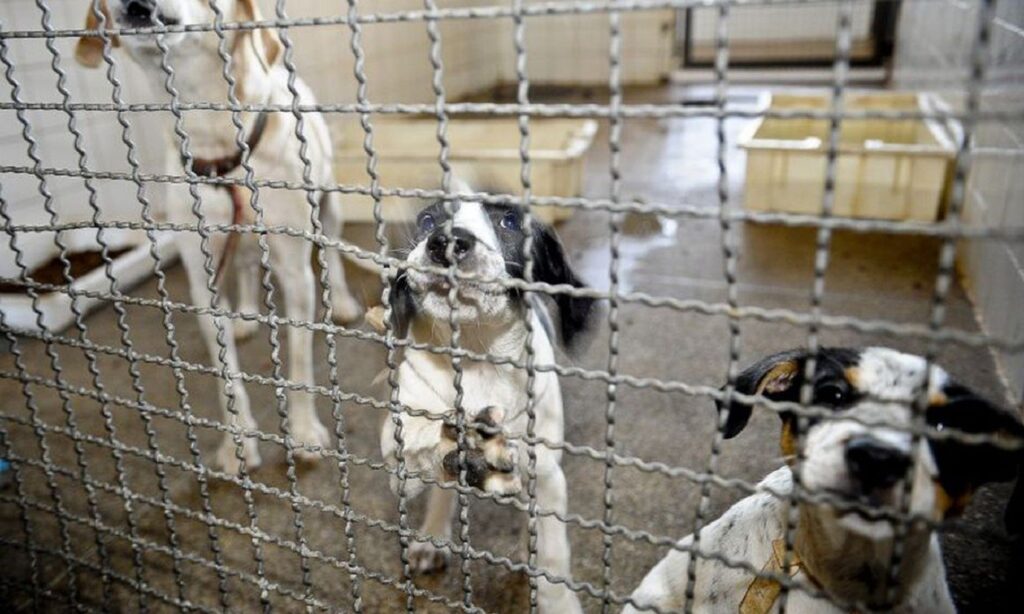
column 426, row 222
column 830, row 394
column 511, row 221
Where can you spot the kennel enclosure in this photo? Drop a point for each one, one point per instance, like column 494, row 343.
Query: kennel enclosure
column 109, row 421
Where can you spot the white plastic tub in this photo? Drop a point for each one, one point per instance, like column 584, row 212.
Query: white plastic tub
column 484, row 152
column 886, row 169
column 128, row 269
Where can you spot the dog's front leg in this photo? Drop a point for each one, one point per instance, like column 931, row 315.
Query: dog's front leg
column 247, row 271
column 552, row 540
column 295, row 277
column 217, row 335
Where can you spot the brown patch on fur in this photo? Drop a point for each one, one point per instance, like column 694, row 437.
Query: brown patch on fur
column 89, row 49
column 788, row 440
column 948, row 505
column 779, row 378
column 852, row 375
column 374, row 317
column 937, row 398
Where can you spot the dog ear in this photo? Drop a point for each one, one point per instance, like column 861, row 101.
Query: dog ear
column 777, row 377
column 403, row 306
column 254, row 50
column 89, row 49
column 551, row 266
column 964, row 466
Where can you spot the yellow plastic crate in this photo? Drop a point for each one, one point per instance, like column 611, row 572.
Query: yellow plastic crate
column 886, row 169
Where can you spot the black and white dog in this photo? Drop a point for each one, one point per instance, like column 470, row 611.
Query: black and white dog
column 488, row 242
column 859, row 454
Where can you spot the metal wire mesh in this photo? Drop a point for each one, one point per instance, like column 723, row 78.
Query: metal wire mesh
column 115, row 503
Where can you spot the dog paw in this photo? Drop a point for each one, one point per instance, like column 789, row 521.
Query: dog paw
column 227, row 458
column 345, row 309
column 491, row 460
column 426, row 558
column 314, row 434
column 244, row 329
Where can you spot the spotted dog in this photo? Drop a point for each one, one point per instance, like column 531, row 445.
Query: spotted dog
column 845, row 550
column 256, row 63
column 489, row 243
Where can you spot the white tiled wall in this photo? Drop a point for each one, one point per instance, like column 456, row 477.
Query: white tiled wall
column 574, row 49
column 793, row 23
column 477, row 54
column 933, row 50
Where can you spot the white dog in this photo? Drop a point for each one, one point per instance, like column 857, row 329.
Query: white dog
column 845, row 552
column 261, row 79
column 487, row 241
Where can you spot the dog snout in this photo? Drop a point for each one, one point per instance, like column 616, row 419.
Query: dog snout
column 440, row 251
column 875, row 465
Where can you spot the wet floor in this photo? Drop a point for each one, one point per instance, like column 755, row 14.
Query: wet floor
column 211, row 547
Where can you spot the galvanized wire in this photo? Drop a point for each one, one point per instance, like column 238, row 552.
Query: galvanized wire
column 146, row 213
column 729, row 258
column 526, row 180
column 538, row 9
column 822, row 255
column 143, row 580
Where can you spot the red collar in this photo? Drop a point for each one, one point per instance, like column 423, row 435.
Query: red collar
column 218, row 167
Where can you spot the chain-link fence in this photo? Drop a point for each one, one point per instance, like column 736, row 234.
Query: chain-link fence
column 119, row 496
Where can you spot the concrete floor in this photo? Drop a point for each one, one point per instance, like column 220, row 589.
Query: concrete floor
column 869, row 276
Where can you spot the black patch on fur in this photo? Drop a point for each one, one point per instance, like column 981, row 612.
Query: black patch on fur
column 551, row 266
column 831, row 388
column 964, row 466
column 476, row 467
column 550, row 263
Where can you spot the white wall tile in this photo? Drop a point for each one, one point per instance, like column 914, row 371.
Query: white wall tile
column 933, row 48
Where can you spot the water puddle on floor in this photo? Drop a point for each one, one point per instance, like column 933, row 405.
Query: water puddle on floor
column 642, row 234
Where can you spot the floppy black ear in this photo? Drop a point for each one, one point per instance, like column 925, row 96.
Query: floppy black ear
column 403, row 305
column 964, row 466
column 551, row 266
column 777, row 377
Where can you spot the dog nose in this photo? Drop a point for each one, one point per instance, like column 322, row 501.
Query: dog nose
column 139, row 10
column 437, row 245
column 875, row 465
